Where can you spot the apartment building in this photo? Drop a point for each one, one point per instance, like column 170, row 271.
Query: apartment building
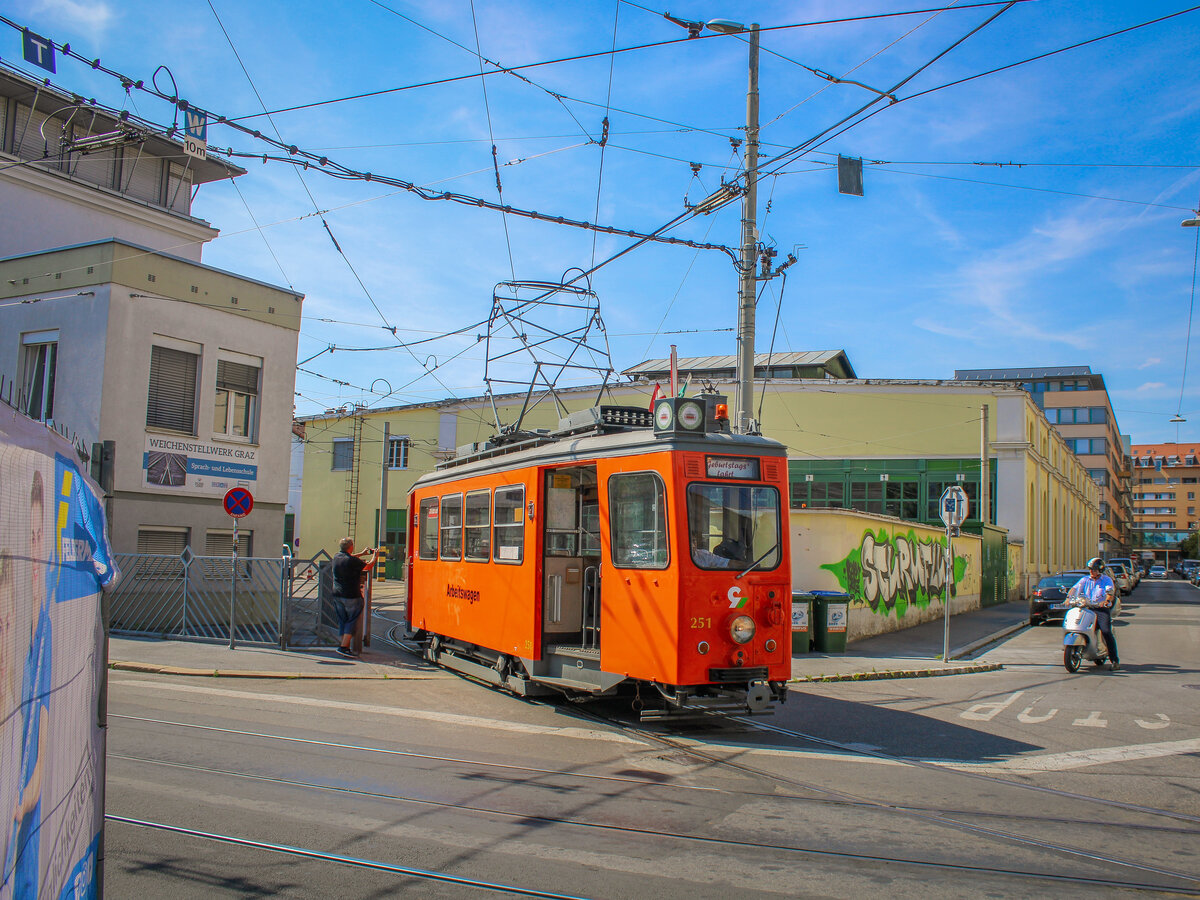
column 1166, row 485
column 112, row 329
column 1076, row 402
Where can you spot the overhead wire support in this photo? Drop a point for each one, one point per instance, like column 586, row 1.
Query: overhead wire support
column 337, row 171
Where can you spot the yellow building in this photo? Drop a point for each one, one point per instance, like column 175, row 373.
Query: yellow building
column 884, row 447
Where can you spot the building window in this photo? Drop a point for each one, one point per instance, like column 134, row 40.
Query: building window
column 343, row 454
column 236, row 408
column 171, row 400
column 162, row 541
column 397, row 453
column 37, row 381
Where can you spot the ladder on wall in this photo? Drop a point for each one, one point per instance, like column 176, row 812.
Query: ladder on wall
column 351, row 504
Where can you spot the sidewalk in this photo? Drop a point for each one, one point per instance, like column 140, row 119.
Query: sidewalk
column 910, row 653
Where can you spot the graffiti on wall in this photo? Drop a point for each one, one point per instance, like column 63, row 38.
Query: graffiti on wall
column 889, row 573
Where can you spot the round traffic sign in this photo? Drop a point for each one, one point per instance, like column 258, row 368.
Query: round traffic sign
column 238, row 502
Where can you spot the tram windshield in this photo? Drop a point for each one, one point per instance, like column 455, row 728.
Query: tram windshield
column 733, row 526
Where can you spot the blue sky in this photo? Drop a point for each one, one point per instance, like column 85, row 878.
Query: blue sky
column 1072, row 255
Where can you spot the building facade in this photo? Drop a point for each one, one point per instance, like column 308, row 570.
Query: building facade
column 1076, row 402
column 115, row 332
column 1166, row 485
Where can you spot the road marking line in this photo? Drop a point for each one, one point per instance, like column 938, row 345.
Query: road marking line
column 375, row 709
column 1026, row 715
column 1079, row 759
column 1092, row 721
column 1163, row 723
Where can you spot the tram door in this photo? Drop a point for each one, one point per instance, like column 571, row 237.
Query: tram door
column 571, row 568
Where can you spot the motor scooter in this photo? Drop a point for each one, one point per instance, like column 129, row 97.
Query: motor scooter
column 1081, row 639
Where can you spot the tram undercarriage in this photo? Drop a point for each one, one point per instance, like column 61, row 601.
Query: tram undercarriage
column 575, row 672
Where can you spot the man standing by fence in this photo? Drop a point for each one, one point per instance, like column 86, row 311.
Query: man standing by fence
column 348, row 571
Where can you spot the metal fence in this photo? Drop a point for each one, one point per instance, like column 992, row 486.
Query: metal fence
column 258, row 600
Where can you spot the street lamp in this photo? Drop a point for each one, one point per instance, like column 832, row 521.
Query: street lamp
column 744, row 377
column 1186, row 223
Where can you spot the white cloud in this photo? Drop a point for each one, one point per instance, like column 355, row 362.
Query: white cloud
column 999, row 285
column 1150, row 386
column 93, row 15
column 1152, row 361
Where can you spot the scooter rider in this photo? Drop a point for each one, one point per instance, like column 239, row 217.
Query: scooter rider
column 1098, row 591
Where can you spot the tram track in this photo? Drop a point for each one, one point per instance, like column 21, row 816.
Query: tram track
column 654, row 783
column 728, row 843
column 935, row 818
column 341, row 859
column 938, row 817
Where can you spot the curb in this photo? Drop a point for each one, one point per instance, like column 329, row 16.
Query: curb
column 152, row 669
column 989, row 639
column 899, row 673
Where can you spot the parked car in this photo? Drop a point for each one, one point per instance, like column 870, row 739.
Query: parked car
column 1157, row 572
column 1121, row 578
column 1135, row 572
column 1049, row 592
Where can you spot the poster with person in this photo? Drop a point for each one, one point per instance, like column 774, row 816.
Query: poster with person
column 55, row 560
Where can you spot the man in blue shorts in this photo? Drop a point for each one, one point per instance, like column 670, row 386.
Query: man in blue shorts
column 348, row 569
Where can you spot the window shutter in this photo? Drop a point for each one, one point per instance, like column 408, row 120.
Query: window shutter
column 233, row 376
column 220, row 543
column 161, row 542
column 143, row 178
column 171, row 401
column 179, row 188
column 36, row 136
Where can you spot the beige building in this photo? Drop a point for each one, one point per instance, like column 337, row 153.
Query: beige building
column 1076, row 402
column 114, row 331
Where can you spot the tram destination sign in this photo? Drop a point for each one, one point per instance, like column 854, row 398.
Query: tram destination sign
column 744, row 468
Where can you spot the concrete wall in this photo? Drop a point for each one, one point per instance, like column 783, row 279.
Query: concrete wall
column 895, row 571
column 1016, row 569
column 137, row 323
column 54, row 211
column 80, row 365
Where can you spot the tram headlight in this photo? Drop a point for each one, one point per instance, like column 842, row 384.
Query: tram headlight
column 741, row 629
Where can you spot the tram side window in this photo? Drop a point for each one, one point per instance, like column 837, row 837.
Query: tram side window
column 477, row 517
column 451, row 517
column 638, row 519
column 428, row 525
column 509, row 545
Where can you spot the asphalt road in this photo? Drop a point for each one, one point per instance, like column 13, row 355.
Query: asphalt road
column 1014, row 783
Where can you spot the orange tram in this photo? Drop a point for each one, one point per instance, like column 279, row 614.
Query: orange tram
column 624, row 552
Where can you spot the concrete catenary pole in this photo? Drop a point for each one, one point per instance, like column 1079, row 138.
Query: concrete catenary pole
column 748, row 282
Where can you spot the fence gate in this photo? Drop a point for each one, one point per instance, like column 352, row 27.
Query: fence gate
column 201, row 597
column 307, row 622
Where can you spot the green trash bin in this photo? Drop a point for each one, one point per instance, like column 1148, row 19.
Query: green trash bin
column 830, row 612
column 801, row 622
